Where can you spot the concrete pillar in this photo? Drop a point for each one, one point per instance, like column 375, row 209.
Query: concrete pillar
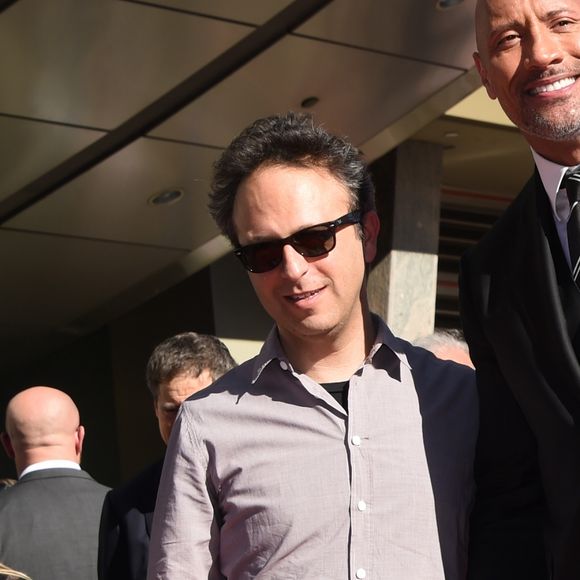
column 403, row 280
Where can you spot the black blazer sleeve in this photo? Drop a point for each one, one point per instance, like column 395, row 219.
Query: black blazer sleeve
column 108, row 539
column 506, row 537
column 125, row 527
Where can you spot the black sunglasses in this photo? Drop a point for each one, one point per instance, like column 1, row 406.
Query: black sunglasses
column 310, row 242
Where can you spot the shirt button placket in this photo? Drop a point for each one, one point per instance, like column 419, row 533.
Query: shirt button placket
column 361, row 505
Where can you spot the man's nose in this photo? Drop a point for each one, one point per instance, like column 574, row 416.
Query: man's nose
column 294, row 265
column 543, row 47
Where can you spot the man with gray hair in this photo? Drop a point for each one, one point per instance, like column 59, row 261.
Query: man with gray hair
column 446, row 344
column 178, row 367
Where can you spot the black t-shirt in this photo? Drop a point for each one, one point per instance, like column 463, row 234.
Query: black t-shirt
column 339, row 391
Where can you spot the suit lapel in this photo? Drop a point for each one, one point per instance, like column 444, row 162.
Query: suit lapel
column 551, row 272
column 536, row 279
column 541, row 292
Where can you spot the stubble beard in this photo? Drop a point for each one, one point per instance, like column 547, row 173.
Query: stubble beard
column 562, row 125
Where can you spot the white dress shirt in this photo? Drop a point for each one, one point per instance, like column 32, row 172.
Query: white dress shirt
column 50, row 464
column 551, row 175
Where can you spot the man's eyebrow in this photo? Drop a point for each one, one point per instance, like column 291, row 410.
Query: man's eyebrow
column 502, row 25
column 499, row 25
column 267, row 238
column 555, row 13
column 559, row 13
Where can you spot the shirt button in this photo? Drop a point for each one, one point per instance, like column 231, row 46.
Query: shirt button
column 361, row 573
column 283, row 365
column 355, row 440
column 362, row 506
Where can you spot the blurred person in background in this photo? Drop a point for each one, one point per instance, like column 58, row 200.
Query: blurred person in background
column 7, row 573
column 447, row 344
column 178, row 367
column 6, row 482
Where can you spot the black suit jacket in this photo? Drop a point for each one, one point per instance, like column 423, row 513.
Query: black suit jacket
column 49, row 524
column 126, row 527
column 520, row 312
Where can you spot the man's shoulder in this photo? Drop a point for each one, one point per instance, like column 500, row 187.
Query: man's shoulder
column 426, row 367
column 439, row 381
column 36, row 487
column 140, row 491
column 233, row 384
column 420, row 357
column 147, row 478
column 59, row 478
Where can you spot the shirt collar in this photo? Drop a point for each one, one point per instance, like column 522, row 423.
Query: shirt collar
column 272, row 349
column 50, row 464
column 386, row 338
column 551, row 175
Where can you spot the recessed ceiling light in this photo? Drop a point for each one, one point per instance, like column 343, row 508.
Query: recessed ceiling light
column 166, row 197
column 309, row 102
column 451, row 134
column 446, row 4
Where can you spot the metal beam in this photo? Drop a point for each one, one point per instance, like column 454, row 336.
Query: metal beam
column 6, row 4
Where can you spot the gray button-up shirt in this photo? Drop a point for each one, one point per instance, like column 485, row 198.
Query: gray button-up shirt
column 267, row 476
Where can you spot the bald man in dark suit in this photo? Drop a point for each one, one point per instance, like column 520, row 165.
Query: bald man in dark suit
column 50, row 517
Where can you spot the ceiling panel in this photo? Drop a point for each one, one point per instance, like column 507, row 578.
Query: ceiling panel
column 391, row 26
column 30, row 148
column 55, row 280
column 110, row 202
column 54, row 292
column 360, row 92
column 254, row 12
column 97, row 62
column 471, row 148
column 414, row 29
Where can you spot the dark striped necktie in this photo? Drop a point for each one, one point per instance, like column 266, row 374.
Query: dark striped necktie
column 572, row 184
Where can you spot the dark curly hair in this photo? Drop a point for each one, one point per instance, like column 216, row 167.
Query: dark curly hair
column 291, row 139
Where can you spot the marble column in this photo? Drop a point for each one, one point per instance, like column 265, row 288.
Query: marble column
column 403, row 279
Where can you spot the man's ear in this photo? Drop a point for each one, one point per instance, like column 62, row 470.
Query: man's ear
column 79, row 439
column 370, row 225
column 7, row 444
column 483, row 76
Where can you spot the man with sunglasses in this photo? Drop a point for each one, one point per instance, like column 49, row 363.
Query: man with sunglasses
column 339, row 451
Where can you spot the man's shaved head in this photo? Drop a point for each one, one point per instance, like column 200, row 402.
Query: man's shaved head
column 528, row 58
column 42, row 423
column 481, row 19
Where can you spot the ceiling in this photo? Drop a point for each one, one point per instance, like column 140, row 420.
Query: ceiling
column 81, row 244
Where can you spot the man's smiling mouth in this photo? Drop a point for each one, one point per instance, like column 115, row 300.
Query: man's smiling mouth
column 302, row 296
column 555, row 86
